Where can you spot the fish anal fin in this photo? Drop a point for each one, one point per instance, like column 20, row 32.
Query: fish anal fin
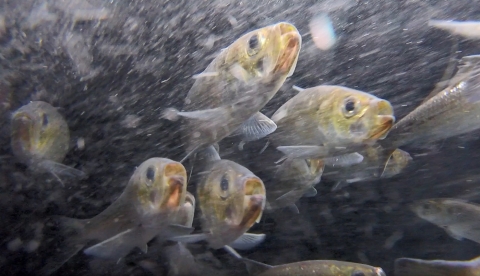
column 248, row 241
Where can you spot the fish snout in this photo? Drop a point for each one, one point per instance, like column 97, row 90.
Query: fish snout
column 379, row 272
column 291, row 42
column 384, row 121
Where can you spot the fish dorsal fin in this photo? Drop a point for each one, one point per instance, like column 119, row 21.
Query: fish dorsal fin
column 248, row 241
column 59, row 170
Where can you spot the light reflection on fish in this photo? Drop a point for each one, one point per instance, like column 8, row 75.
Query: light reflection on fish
column 236, row 85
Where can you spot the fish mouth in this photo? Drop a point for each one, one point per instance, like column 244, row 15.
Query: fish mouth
column 22, row 124
column 291, row 42
column 385, row 123
column 175, row 176
column 255, row 200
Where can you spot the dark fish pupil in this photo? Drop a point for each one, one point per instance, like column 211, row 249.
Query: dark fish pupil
column 150, row 173
column 253, row 42
column 44, row 120
column 358, row 273
column 350, row 106
column 224, row 183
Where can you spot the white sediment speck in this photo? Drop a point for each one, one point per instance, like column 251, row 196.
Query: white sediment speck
column 15, row 244
column 81, row 143
column 32, row 246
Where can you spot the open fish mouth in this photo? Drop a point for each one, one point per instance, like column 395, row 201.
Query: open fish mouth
column 176, row 178
column 291, row 42
column 22, row 124
column 255, row 200
column 385, row 123
column 385, row 119
column 379, row 272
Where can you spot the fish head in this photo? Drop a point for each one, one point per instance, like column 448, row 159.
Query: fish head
column 437, row 210
column 38, row 132
column 360, row 117
column 231, row 197
column 160, row 185
column 315, row 169
column 272, row 50
column 396, row 163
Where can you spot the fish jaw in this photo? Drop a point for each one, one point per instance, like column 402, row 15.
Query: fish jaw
column 379, row 272
column 175, row 190
column 291, row 42
column 384, row 120
column 254, row 202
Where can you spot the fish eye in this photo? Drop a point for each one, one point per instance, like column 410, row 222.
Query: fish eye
column 150, row 174
column 357, row 273
column 253, row 42
column 349, row 107
column 224, row 183
column 44, row 119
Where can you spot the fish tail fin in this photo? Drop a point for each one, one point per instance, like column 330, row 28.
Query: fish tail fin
column 68, row 242
column 253, row 267
column 208, row 154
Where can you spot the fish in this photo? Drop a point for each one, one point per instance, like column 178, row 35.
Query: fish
column 231, row 199
column 310, row 268
column 418, row 267
column 294, row 179
column 230, row 92
column 40, row 139
column 457, row 217
column 466, row 29
column 453, row 111
column 146, row 209
column 373, row 166
column 329, row 120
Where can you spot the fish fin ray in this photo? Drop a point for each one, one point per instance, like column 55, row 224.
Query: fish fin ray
column 256, row 127
column 59, row 170
column 254, row 267
column 209, row 154
column 248, row 241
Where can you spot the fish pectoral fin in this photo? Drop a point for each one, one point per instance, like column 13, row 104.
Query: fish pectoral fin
column 293, row 208
column 201, row 115
column 175, row 230
column 60, row 170
column 192, row 238
column 452, row 233
column 117, row 246
column 254, row 267
column 257, row 127
column 339, row 185
column 344, row 160
column 303, row 151
column 297, row 88
column 248, row 241
column 310, row 192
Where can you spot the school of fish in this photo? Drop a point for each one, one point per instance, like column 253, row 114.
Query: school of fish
column 330, row 131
